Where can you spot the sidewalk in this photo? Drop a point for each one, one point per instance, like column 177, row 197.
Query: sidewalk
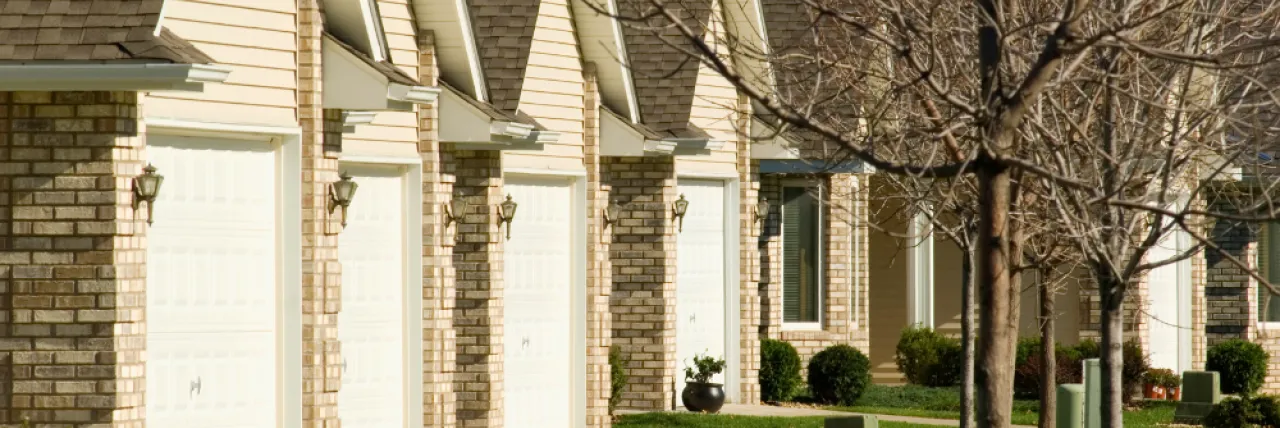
column 764, row 410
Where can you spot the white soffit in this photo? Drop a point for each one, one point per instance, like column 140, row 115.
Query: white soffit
column 768, row 143
column 109, row 77
column 356, row 22
column 465, row 125
column 618, row 138
column 352, row 84
column 456, row 51
column 600, row 38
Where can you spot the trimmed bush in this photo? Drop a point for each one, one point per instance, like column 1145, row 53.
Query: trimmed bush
column 928, row 358
column 1268, row 410
column 617, row 376
column 1232, row 413
column 1242, row 365
column 779, row 370
column 839, row 375
column 1026, row 376
column 1135, row 364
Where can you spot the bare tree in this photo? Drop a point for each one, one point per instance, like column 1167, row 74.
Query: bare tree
column 1122, row 114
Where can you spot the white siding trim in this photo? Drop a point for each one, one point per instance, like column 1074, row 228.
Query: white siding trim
column 920, row 272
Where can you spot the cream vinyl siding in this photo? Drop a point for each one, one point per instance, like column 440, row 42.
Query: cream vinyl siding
column 552, row 91
column 714, row 110
column 257, row 40
column 392, row 133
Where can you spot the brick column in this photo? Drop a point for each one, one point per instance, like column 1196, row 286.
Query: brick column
column 749, row 228
column 1229, row 290
column 72, row 260
column 769, row 247
column 477, row 314
column 599, row 275
column 439, row 341
column 643, row 253
column 321, row 273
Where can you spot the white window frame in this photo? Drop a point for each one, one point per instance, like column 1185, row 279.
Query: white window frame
column 807, row 183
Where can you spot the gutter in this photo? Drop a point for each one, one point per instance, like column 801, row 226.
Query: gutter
column 412, row 94
column 510, row 130
column 117, row 77
column 659, row 147
column 695, row 146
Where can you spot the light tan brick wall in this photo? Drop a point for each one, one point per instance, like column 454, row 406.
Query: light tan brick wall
column 438, row 338
column 477, row 263
column 72, row 260
column 321, row 273
column 643, row 296
column 846, row 268
column 748, row 261
column 599, row 277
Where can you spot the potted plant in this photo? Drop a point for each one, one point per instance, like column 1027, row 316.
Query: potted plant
column 700, row 395
column 1172, row 387
column 1154, row 381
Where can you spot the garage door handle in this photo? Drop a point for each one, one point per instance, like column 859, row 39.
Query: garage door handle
column 693, row 317
column 196, row 386
column 344, row 365
column 524, row 343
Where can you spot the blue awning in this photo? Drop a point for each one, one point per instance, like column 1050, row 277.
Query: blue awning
column 805, row 166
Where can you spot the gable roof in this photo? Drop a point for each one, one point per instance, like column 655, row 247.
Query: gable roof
column 390, row 71
column 90, row 30
column 503, row 36
column 665, row 77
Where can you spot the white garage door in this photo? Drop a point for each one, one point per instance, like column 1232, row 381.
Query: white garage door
column 212, row 285
column 1169, row 313
column 371, row 326
column 538, row 274
column 700, row 277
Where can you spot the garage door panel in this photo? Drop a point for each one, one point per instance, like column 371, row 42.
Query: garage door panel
column 371, row 325
column 538, row 285
column 700, row 276
column 210, row 379
column 212, row 285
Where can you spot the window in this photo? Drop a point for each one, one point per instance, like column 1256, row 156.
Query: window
column 1269, row 258
column 802, row 255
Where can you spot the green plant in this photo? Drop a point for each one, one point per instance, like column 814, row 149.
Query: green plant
column 1268, row 410
column 839, row 375
column 1134, row 364
column 779, row 370
column 617, row 375
column 1241, row 365
column 1162, row 377
column 928, row 358
column 707, row 367
column 1232, row 413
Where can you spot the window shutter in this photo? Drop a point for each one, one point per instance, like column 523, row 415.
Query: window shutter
column 791, row 243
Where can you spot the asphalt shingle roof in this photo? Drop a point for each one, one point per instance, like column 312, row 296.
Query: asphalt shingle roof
column 504, row 34
column 664, row 76
column 90, row 30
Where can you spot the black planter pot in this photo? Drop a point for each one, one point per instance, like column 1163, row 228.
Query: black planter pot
column 703, row 397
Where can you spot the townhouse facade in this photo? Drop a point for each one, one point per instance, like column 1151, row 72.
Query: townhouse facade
column 375, row 213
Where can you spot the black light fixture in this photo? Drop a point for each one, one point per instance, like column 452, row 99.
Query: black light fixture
column 456, row 210
column 340, row 195
column 612, row 213
column 679, row 208
column 762, row 209
column 507, row 212
column 145, row 189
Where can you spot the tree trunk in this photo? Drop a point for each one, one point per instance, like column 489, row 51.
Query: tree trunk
column 996, row 343
column 966, row 333
column 1048, row 353
column 1112, row 353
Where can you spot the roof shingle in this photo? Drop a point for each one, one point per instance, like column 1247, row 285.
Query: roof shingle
column 504, row 35
column 665, row 77
column 90, row 30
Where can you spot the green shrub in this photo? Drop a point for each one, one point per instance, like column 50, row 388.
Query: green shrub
column 1241, row 365
column 1135, row 363
column 928, row 358
column 1027, row 346
column 1232, row 413
column 779, row 370
column 1268, row 410
column 617, row 375
column 706, row 368
column 839, row 375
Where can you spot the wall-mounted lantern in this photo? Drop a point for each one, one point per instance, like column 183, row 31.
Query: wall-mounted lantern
column 456, row 210
column 679, row 208
column 762, row 209
column 145, row 189
column 506, row 213
column 612, row 213
column 340, row 195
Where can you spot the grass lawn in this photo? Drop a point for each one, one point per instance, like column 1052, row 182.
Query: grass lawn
column 695, row 420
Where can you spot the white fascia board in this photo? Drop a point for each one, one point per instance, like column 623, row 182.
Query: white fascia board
column 695, row 146
column 352, row 118
column 412, row 94
column 618, row 138
column 659, row 147
column 510, row 130
column 110, row 77
column 546, row 137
